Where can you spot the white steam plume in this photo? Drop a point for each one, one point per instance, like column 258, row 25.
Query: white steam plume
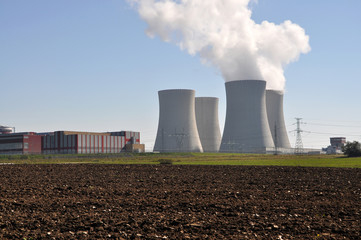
column 223, row 34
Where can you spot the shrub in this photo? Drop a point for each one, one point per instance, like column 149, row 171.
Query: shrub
column 165, row 161
column 352, row 149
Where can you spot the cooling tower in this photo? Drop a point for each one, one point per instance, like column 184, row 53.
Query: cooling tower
column 177, row 128
column 207, row 123
column 274, row 103
column 246, row 128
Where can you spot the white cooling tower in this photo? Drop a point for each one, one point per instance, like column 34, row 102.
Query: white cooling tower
column 274, row 103
column 246, row 128
column 177, row 128
column 207, row 123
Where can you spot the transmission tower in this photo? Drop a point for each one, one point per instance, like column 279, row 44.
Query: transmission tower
column 179, row 139
column 232, row 146
column 299, row 144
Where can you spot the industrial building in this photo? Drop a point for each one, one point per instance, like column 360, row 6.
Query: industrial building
column 207, row 123
column 68, row 142
column 20, row 143
column 6, row 130
column 274, row 104
column 177, row 127
column 336, row 145
column 338, row 142
column 254, row 121
column 90, row 142
column 246, row 128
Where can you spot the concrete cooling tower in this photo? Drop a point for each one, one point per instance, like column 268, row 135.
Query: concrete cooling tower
column 246, row 128
column 207, row 123
column 274, row 103
column 177, row 128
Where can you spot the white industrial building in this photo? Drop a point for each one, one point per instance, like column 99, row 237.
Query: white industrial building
column 254, row 121
column 274, row 103
column 177, row 128
column 246, row 128
column 208, row 123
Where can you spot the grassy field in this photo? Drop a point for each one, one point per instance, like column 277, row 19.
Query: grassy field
column 190, row 159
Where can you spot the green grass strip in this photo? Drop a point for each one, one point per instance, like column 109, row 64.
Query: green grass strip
column 189, row 159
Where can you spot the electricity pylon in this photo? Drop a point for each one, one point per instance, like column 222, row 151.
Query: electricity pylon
column 299, row 144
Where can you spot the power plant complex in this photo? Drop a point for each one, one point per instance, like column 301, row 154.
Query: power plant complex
column 254, row 121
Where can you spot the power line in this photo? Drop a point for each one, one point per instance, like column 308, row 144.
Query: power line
column 353, row 135
column 333, row 121
column 332, row 125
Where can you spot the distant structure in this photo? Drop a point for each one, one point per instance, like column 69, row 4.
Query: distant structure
column 6, row 130
column 338, row 142
column 336, row 145
column 207, row 123
column 274, row 103
column 299, row 144
column 68, row 142
column 20, row 143
column 90, row 142
column 246, row 127
column 177, row 128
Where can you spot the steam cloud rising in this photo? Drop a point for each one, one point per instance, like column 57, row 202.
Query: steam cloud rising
column 223, row 34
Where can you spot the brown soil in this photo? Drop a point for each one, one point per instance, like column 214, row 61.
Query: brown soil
column 178, row 202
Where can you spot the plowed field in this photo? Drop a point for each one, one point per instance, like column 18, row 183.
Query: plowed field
column 81, row 201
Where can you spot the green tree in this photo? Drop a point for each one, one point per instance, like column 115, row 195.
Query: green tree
column 352, row 149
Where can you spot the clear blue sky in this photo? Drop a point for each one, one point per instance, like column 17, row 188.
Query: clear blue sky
column 87, row 65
